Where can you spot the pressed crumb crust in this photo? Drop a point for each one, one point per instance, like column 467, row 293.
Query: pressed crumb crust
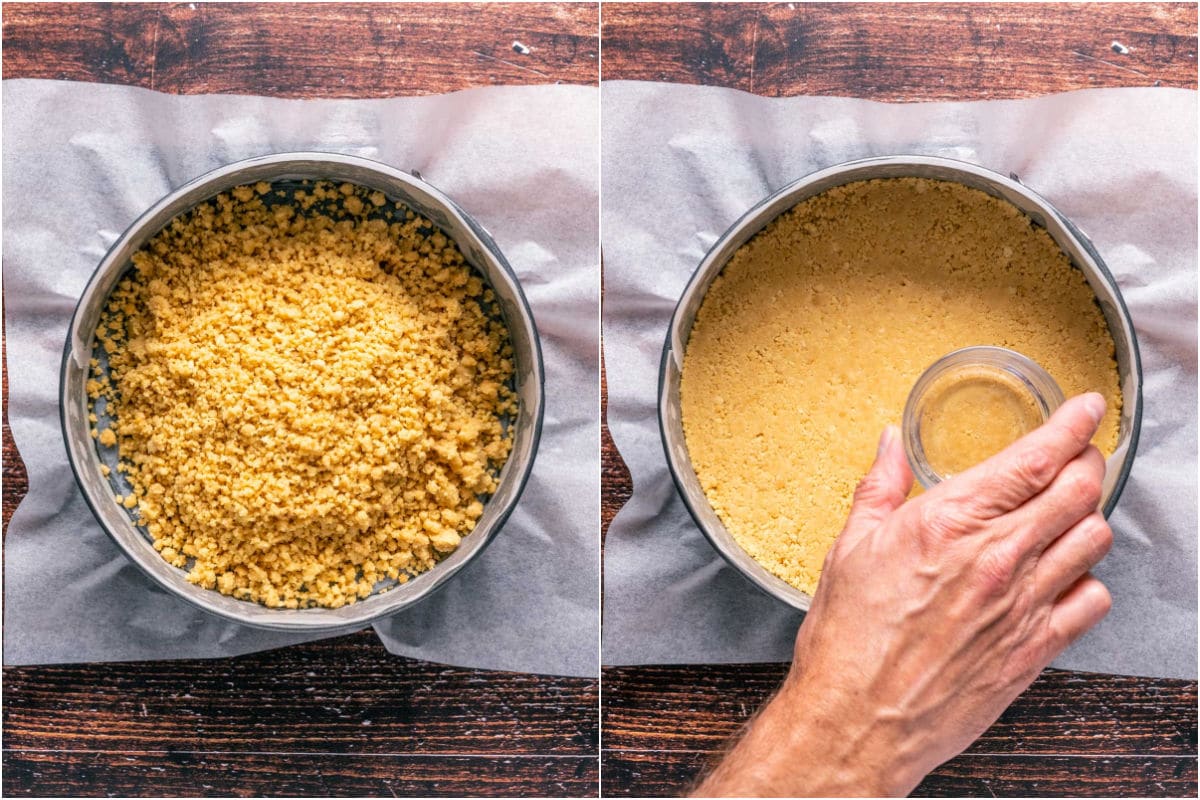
column 809, row 341
column 307, row 393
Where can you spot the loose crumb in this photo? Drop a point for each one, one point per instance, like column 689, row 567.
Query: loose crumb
column 809, row 341
column 308, row 398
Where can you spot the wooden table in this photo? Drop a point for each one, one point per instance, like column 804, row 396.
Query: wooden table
column 343, row 716
column 1070, row 733
column 340, row 717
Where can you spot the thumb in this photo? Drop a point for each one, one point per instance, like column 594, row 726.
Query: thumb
column 883, row 489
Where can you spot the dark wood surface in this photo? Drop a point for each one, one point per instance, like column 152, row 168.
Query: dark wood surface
column 1070, row 733
column 308, row 50
column 340, row 717
column 898, row 52
column 292, row 721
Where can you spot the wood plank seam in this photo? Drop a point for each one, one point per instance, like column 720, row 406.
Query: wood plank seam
column 972, row 753
column 337, row 753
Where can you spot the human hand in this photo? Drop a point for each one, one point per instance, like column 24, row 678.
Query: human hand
column 932, row 615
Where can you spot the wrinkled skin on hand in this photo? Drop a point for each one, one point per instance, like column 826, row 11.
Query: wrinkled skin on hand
column 932, row 615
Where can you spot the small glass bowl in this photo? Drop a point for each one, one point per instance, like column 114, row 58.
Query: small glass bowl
column 997, row 377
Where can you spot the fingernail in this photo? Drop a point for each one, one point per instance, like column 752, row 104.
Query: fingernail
column 1094, row 404
column 885, row 441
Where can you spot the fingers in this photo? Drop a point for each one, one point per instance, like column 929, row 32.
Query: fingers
column 1072, row 495
column 1077, row 611
column 1071, row 556
column 1010, row 478
column 883, row 489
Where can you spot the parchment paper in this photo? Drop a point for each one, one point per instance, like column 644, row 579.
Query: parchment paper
column 81, row 161
column 681, row 163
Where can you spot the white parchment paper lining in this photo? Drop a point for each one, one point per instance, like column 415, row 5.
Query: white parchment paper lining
column 81, row 161
column 682, row 163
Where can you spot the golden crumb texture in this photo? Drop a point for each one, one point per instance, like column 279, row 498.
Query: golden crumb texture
column 307, row 393
column 809, row 340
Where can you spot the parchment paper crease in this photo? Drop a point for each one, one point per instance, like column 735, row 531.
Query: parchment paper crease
column 81, row 161
column 681, row 163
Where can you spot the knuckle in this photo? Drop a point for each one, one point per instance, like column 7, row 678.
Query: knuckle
column 1102, row 598
column 1084, row 489
column 1035, row 467
column 942, row 520
column 1095, row 602
column 1092, row 454
column 1023, row 604
column 995, row 569
column 1100, row 538
column 977, row 506
column 870, row 489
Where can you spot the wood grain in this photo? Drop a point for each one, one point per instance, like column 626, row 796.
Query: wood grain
column 1061, row 713
column 123, row 774
column 342, row 716
column 615, row 480
column 341, row 713
column 16, row 482
column 345, row 695
column 1070, row 733
column 666, row 774
column 361, row 50
column 303, row 49
column 902, row 53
